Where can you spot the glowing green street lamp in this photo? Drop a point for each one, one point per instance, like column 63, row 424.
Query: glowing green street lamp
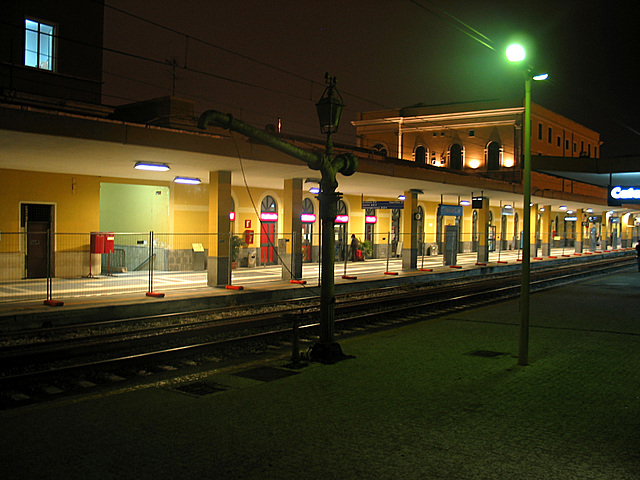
column 516, row 54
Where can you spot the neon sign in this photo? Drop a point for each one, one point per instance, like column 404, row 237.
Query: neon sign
column 370, row 219
column 342, row 218
column 308, row 218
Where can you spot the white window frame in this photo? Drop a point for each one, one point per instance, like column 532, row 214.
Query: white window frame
column 39, row 44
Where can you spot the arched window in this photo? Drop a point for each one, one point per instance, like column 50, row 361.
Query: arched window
column 455, row 156
column 493, row 156
column 380, row 149
column 421, row 155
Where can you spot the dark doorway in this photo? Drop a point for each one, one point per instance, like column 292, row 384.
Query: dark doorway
column 493, row 156
column 37, row 220
column 455, row 157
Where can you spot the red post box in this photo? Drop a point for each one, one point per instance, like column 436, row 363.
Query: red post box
column 109, row 242
column 97, row 242
column 102, row 242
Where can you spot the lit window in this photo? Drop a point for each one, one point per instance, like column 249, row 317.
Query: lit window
column 38, row 45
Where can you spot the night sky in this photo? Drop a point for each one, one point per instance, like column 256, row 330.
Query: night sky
column 262, row 60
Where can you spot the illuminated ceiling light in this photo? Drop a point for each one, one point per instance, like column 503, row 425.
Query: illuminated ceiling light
column 542, row 76
column 465, row 203
column 314, row 190
column 562, row 207
column 589, row 210
column 570, row 212
column 154, row 167
column 508, row 162
column 402, row 197
column 187, row 180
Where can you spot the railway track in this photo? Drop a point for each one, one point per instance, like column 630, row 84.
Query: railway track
column 53, row 362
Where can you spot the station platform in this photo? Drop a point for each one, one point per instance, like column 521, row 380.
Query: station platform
column 258, row 285
column 440, row 399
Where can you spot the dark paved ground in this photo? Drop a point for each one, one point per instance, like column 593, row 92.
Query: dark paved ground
column 413, row 404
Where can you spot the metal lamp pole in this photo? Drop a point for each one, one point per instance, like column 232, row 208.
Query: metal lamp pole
column 516, row 53
column 329, row 110
column 523, row 343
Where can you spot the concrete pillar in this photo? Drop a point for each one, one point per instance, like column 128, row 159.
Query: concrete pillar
column 546, row 235
column 218, row 261
column 410, row 225
column 483, row 230
column 579, row 231
column 291, row 258
column 605, row 236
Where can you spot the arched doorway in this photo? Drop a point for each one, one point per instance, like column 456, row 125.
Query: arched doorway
column 370, row 228
column 455, row 156
column 395, row 230
column 474, row 231
column 420, row 230
column 421, row 155
column 491, row 241
column 308, row 219
column 493, row 156
column 268, row 229
column 503, row 233
column 340, row 230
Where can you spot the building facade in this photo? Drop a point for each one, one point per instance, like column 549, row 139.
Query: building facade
column 69, row 167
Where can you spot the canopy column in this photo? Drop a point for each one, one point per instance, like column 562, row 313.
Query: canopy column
column 218, row 262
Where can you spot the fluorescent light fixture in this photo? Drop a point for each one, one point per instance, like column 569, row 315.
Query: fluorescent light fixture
column 187, row 180
column 402, row 197
column 562, row 207
column 465, row 203
column 314, row 190
column 307, row 218
column 154, row 167
column 370, row 219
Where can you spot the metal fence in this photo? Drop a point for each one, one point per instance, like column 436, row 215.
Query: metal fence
column 41, row 265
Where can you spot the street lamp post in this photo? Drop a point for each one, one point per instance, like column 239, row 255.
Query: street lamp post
column 516, row 53
column 329, row 109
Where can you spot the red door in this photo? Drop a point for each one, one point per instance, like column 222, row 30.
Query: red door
column 267, row 242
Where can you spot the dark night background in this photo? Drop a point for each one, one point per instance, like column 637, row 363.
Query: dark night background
column 262, row 60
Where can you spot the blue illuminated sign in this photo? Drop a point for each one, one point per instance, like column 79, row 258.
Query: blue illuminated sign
column 619, row 195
